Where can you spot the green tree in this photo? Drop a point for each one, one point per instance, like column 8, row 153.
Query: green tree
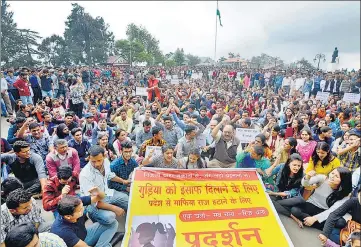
column 231, row 55
column 170, row 63
column 193, row 60
column 132, row 51
column 17, row 45
column 150, row 43
column 88, row 38
column 179, row 57
column 305, row 64
column 54, row 51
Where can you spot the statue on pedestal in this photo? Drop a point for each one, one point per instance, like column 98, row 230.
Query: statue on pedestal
column 334, row 55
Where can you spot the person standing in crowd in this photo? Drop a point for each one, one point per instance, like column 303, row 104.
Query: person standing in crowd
column 47, row 88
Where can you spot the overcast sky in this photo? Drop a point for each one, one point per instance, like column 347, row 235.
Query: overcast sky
column 290, row 30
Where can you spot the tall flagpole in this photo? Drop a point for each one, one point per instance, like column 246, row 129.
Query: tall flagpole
column 215, row 39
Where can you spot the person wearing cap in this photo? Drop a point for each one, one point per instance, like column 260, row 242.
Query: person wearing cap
column 153, row 89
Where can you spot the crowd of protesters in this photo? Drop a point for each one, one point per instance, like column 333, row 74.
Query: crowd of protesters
column 76, row 135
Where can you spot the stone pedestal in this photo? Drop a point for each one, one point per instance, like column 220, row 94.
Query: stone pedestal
column 332, row 67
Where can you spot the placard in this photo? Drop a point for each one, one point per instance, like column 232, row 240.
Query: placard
column 246, row 135
column 157, row 151
column 201, row 141
column 141, row 91
column 168, row 77
column 322, row 96
column 201, row 207
column 351, row 97
column 174, row 81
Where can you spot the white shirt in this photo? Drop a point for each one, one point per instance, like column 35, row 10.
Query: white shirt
column 286, row 81
column 90, row 177
column 322, row 85
column 142, row 119
column 4, row 84
column 300, row 82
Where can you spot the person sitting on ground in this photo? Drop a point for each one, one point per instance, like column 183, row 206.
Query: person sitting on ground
column 97, row 173
column 286, row 150
column 123, row 167
column 110, row 152
column 120, row 137
column 144, row 134
column 56, row 187
column 187, row 142
column 40, row 142
column 324, row 136
column 156, row 140
column 26, row 235
column 20, row 207
column 61, row 132
column 102, row 128
column 331, row 230
column 194, row 160
column 27, row 166
column 70, row 223
column 9, row 184
column 306, row 145
column 350, row 156
column 225, row 147
column 63, row 154
column 165, row 160
column 332, row 191
column 80, row 144
column 322, row 161
column 288, row 180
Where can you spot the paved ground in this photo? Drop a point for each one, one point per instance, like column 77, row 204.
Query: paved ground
column 300, row 237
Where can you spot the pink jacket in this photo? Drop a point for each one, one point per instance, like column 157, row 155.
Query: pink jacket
column 53, row 162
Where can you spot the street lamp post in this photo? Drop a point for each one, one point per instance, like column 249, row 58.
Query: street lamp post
column 319, row 57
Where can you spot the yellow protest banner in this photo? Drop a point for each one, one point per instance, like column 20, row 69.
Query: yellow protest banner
column 200, row 208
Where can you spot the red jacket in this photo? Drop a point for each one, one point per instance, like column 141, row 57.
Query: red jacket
column 22, row 86
column 152, row 83
column 52, row 192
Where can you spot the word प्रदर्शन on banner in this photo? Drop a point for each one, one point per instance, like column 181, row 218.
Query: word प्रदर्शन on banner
column 201, row 208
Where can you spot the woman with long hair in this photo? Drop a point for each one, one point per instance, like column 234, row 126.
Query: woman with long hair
column 260, row 140
column 295, row 129
column 306, row 145
column 331, row 192
column 288, row 178
column 194, row 160
column 322, row 161
column 103, row 142
column 121, row 136
column 165, row 160
column 274, row 141
column 287, row 118
column 286, row 150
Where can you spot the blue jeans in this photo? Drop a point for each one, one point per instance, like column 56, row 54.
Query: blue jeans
column 335, row 235
column 106, row 217
column 3, row 109
column 47, row 93
column 26, row 100
column 87, row 85
column 99, row 235
column 56, row 93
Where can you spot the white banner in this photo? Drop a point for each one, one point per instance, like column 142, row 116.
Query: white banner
column 141, row 91
column 246, row 135
column 157, row 151
column 322, row 96
column 351, row 97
